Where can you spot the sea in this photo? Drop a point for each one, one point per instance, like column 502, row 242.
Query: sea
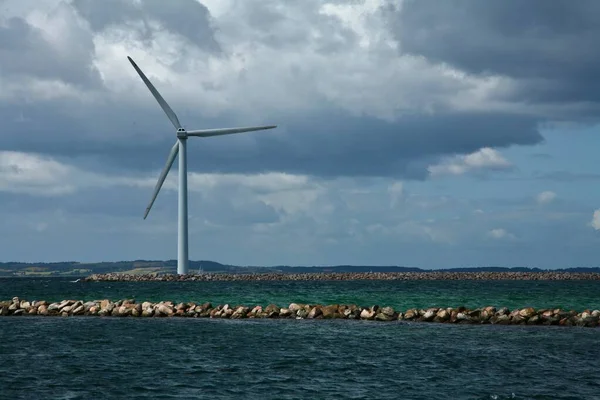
column 188, row 358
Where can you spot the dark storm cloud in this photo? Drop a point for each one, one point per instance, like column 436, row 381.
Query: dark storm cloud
column 337, row 144
column 188, row 18
column 550, row 46
column 272, row 27
column 328, row 143
column 332, row 144
column 25, row 51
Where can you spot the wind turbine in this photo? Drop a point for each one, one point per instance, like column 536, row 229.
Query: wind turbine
column 180, row 147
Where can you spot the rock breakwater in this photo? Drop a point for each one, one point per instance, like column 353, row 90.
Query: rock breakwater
column 348, row 276
column 167, row 309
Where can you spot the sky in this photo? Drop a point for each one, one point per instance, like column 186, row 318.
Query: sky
column 417, row 133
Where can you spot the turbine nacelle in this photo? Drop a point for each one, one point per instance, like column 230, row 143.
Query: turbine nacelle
column 182, row 133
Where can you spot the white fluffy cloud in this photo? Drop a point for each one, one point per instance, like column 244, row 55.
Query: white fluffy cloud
column 33, row 174
column 481, row 160
column 546, row 197
column 595, row 223
column 323, row 53
column 396, row 191
column 500, row 233
column 42, row 175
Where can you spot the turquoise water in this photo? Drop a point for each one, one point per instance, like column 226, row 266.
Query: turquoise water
column 160, row 358
column 577, row 295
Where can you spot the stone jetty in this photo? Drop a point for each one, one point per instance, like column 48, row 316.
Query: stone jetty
column 347, row 276
column 167, row 309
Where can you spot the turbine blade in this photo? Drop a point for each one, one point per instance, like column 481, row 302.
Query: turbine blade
column 170, row 113
column 163, row 176
column 227, row 131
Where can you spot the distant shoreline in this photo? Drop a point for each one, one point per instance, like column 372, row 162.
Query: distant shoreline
column 135, row 267
column 345, row 276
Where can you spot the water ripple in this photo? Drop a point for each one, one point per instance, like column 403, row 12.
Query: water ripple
column 83, row 358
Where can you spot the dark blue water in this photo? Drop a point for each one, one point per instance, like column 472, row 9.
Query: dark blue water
column 107, row 358
column 102, row 358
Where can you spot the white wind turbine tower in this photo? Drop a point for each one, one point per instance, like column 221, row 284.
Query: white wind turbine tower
column 180, row 147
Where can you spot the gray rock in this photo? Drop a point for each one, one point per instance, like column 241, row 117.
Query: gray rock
column 78, row 310
column 383, row 317
column 285, row 312
column 429, row 315
column 314, row 312
column 389, row 311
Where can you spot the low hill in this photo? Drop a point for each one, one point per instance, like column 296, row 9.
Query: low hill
column 73, row 268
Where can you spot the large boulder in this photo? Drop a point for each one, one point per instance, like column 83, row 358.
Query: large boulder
column 383, row 317
column 442, row 316
column 527, row 313
column 285, row 313
column 79, row 310
column 272, row 311
column 429, row 315
column 389, row 311
column 330, row 311
column 367, row 314
column 240, row 312
column 315, row 312
column 164, row 310
column 501, row 319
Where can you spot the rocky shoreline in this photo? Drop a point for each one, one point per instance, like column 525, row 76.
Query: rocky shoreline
column 165, row 309
column 347, row 276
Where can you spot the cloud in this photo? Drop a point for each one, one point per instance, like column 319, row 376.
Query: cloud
column 51, row 46
column 42, row 175
column 346, row 101
column 595, row 223
column 534, row 47
column 396, row 191
column 188, row 18
column 372, row 98
column 500, row 234
column 546, row 197
column 259, row 198
column 481, row 160
column 32, row 174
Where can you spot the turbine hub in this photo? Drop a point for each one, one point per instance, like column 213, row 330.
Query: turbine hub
column 181, row 133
